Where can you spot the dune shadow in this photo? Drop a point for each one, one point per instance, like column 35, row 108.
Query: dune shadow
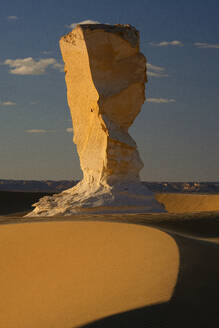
column 194, row 302
column 167, row 315
column 18, row 201
column 204, row 226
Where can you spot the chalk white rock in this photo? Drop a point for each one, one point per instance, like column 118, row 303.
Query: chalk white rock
column 105, row 76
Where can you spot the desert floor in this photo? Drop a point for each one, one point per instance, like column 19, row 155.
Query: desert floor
column 12, row 202
column 146, row 270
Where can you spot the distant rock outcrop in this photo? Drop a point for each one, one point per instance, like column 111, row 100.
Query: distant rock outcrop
column 48, row 186
column 52, row 186
column 105, row 78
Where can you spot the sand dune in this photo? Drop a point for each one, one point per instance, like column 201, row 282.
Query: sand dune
column 64, row 274
column 182, row 203
column 109, row 274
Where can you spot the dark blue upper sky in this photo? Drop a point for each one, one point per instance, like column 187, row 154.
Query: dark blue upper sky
column 177, row 131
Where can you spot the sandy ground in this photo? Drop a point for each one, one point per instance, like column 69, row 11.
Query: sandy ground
column 181, row 203
column 112, row 271
column 16, row 202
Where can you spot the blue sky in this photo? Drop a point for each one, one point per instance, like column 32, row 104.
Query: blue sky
column 177, row 131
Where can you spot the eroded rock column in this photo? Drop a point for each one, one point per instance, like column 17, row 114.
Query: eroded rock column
column 105, row 77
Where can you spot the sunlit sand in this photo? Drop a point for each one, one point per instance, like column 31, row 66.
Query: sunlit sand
column 92, row 272
column 181, row 203
column 65, row 274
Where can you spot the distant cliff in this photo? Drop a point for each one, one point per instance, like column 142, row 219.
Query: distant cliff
column 57, row 186
column 36, row 186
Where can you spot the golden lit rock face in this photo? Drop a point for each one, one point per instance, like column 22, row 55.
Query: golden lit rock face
column 105, row 78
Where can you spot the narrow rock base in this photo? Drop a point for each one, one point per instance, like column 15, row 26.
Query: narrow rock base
column 91, row 199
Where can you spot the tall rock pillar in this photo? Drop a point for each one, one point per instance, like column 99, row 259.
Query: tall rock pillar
column 105, row 77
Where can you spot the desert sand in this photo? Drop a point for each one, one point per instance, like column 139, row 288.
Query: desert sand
column 144, row 270
column 18, row 202
column 181, row 203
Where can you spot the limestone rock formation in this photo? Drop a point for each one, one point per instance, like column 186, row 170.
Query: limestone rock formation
column 105, row 75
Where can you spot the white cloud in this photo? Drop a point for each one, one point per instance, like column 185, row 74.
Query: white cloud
column 59, row 66
column 36, row 131
column 160, row 100
column 206, row 45
column 30, row 66
column 155, row 68
column 12, row 17
column 167, row 43
column 88, row 21
column 156, row 71
column 154, row 74
column 7, row 103
column 70, row 130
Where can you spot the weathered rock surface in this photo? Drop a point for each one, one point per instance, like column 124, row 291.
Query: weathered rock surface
column 105, row 76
